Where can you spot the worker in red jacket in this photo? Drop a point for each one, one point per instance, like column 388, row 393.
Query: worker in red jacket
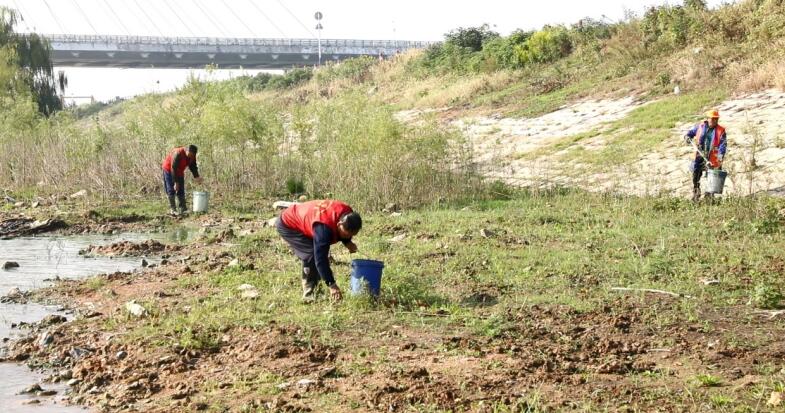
column 174, row 175
column 309, row 229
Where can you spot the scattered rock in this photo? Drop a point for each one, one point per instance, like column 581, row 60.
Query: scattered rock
column 14, row 292
column 15, row 295
column 226, row 235
column 408, row 346
column 52, row 319
column 302, row 198
column 306, row 383
column 32, row 402
column 76, row 353
column 74, row 382
column 486, row 233
column 35, row 204
column 135, row 309
column 395, row 214
column 45, row 393
column 121, row 355
column 145, row 263
column 390, row 207
column 284, row 385
column 19, row 204
column 248, row 291
column 35, row 388
column 775, row 399
column 10, row 264
column 45, row 339
column 328, row 372
column 65, row 374
column 79, row 194
column 234, row 263
column 398, row 238
column 706, row 281
column 90, row 314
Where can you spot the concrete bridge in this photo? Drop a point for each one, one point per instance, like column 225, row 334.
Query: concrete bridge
column 197, row 52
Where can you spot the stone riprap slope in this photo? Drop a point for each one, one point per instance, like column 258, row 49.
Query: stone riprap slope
column 521, row 151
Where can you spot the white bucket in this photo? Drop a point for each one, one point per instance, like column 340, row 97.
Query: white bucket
column 200, row 201
column 716, row 180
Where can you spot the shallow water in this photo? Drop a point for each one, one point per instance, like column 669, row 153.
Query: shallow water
column 41, row 259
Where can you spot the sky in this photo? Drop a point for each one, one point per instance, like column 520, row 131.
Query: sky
column 342, row 19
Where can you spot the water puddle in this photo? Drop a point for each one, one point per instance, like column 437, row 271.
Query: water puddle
column 41, row 259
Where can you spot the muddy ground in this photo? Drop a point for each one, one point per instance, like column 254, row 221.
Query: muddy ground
column 634, row 354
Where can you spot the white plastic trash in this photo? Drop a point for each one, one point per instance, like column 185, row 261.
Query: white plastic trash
column 200, row 201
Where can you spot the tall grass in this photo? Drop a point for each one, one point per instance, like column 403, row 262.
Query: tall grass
column 350, row 147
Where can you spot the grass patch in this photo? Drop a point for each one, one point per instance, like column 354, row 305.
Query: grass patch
column 707, row 380
column 565, row 248
column 644, row 128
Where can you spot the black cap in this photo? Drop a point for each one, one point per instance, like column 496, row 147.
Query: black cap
column 352, row 222
column 193, row 148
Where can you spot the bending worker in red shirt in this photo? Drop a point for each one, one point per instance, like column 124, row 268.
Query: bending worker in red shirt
column 309, row 229
column 174, row 175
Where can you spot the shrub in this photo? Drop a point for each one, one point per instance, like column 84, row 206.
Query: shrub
column 766, row 296
column 499, row 53
column 289, row 79
column 356, row 70
column 545, row 46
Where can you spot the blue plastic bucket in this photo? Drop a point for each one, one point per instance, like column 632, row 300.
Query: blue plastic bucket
column 366, row 274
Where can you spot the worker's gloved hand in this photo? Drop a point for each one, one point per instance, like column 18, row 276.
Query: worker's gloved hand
column 335, row 293
column 687, row 140
column 352, row 247
column 176, row 188
column 198, row 180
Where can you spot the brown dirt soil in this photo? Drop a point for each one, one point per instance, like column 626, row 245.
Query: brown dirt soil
column 549, row 357
column 568, row 358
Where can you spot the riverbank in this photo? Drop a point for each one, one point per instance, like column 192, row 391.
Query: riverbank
column 493, row 306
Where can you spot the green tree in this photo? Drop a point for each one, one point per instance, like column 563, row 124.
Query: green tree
column 31, row 55
column 470, row 37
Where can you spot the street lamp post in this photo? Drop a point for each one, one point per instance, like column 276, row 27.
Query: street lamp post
column 318, row 16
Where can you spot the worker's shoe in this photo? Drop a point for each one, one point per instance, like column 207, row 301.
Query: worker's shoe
column 183, row 208
column 172, row 205
column 310, row 283
column 696, row 194
column 173, row 212
column 309, row 291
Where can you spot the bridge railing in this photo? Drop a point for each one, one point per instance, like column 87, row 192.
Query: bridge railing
column 211, row 41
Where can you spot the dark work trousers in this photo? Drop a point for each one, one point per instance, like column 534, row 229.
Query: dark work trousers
column 302, row 247
column 169, row 181
column 699, row 167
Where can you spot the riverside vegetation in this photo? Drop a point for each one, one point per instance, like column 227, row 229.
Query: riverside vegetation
column 494, row 298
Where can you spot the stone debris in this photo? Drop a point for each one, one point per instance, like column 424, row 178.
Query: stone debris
column 10, row 264
column 135, row 309
column 248, row 291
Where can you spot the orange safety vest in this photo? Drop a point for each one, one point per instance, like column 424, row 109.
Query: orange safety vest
column 302, row 217
column 713, row 154
column 184, row 162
